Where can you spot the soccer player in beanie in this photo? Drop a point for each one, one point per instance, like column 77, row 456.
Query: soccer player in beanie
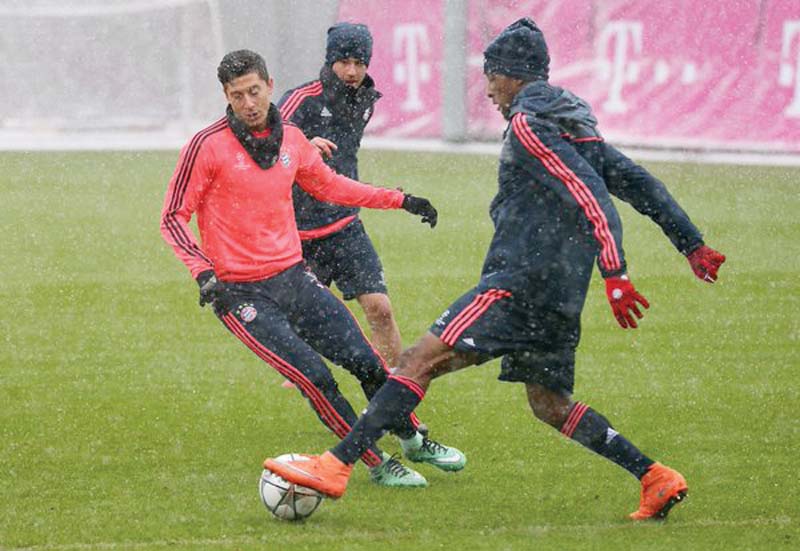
column 553, row 220
column 333, row 111
column 236, row 175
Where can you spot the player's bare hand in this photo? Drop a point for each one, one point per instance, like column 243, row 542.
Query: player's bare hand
column 325, row 147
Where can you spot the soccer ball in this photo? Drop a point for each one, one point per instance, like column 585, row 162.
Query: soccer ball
column 285, row 500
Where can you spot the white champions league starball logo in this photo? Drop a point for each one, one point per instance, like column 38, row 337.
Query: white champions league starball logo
column 248, row 313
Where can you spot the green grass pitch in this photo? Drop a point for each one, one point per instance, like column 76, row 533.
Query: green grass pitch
column 130, row 419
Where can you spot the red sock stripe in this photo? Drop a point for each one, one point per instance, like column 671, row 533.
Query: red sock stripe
column 472, row 312
column 327, row 412
column 609, row 255
column 574, row 417
column 297, row 97
column 411, row 384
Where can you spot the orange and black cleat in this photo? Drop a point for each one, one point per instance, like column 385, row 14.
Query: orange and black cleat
column 662, row 489
column 323, row 473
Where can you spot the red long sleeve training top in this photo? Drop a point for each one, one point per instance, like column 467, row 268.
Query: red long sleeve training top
column 245, row 213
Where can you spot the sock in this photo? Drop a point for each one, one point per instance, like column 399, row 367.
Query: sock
column 411, row 444
column 403, row 429
column 330, row 390
column 390, row 406
column 592, row 430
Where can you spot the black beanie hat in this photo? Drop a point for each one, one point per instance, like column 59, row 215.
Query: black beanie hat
column 348, row 40
column 519, row 51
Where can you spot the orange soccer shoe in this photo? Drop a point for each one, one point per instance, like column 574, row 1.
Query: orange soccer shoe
column 662, row 488
column 323, row 473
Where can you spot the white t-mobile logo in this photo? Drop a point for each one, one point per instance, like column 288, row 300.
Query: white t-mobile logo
column 410, row 43
column 619, row 42
column 790, row 65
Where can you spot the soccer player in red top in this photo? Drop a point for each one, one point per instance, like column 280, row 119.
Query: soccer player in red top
column 236, row 175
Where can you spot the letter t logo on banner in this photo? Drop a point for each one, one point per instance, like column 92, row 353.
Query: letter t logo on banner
column 790, row 65
column 619, row 42
column 410, row 42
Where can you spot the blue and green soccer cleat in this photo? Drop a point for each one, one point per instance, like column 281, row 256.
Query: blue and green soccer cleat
column 393, row 474
column 422, row 449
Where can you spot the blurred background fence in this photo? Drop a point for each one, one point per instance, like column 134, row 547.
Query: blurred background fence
column 697, row 74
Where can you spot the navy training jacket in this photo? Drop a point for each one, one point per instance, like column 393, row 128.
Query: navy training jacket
column 330, row 109
column 624, row 178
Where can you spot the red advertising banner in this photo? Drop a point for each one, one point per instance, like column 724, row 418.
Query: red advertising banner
column 406, row 63
column 683, row 73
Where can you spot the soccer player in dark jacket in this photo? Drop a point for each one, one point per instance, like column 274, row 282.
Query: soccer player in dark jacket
column 553, row 219
column 236, row 175
column 332, row 112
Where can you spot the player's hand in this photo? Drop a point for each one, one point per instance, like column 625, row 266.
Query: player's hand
column 623, row 299
column 421, row 207
column 705, row 263
column 212, row 291
column 325, row 147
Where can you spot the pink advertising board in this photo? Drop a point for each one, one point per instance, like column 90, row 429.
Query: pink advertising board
column 406, row 63
column 684, row 73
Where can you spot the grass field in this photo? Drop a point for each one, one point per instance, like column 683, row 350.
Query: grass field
column 130, row 419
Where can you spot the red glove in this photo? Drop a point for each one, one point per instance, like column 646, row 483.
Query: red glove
column 623, row 298
column 705, row 262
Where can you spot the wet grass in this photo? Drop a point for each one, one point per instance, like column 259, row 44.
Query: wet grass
column 130, row 419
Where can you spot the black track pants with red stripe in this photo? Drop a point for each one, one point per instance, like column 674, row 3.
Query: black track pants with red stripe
column 291, row 319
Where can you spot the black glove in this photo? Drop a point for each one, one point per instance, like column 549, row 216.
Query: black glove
column 212, row 292
column 421, row 207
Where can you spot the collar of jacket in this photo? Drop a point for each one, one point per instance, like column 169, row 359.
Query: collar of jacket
column 346, row 99
column 573, row 115
column 264, row 151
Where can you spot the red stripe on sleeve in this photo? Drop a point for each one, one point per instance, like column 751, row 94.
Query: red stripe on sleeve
column 609, row 254
column 174, row 230
column 297, row 97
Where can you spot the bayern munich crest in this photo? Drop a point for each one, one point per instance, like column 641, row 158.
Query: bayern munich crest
column 248, row 312
column 285, row 159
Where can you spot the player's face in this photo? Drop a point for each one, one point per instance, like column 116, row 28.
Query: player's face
column 351, row 71
column 502, row 90
column 249, row 96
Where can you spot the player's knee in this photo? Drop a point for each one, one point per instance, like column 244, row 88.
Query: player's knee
column 322, row 380
column 548, row 406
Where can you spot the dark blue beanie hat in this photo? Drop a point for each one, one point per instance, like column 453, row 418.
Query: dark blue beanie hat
column 348, row 40
column 519, row 51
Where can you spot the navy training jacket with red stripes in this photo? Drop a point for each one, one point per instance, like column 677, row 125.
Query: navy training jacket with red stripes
column 328, row 108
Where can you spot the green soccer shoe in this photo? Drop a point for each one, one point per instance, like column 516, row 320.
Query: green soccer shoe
column 393, row 474
column 421, row 449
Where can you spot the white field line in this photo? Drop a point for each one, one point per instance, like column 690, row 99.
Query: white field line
column 780, row 521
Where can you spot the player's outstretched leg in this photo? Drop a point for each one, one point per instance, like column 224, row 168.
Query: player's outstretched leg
column 662, row 487
column 345, row 344
column 330, row 472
